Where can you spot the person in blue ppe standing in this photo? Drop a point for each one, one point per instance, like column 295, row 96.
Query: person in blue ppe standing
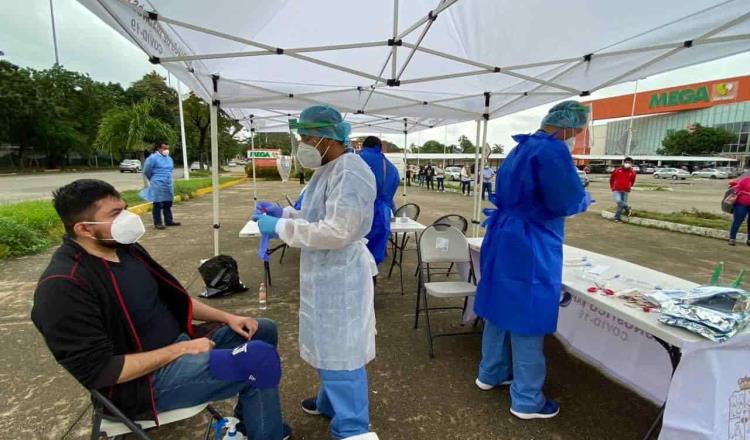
column 158, row 170
column 386, row 184
column 336, row 314
column 519, row 292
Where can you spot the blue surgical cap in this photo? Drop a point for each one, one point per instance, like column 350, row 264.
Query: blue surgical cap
column 567, row 114
column 322, row 121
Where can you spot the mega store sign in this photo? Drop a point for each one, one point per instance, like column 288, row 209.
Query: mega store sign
column 723, row 91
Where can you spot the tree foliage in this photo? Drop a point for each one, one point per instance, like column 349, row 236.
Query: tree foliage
column 700, row 141
column 133, row 129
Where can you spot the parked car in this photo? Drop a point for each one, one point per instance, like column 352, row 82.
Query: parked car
column 711, row 173
column 648, row 169
column 584, row 178
column 195, row 166
column 232, row 163
column 731, row 171
column 671, row 173
column 637, row 169
column 453, row 173
column 130, row 165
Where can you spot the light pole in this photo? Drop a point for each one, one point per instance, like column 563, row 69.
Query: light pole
column 54, row 31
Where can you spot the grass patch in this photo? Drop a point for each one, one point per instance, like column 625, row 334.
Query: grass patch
column 30, row 227
column 692, row 218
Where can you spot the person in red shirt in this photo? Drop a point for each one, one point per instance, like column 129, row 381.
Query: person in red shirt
column 741, row 208
column 620, row 182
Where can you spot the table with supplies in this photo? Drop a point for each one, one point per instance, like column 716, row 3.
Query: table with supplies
column 703, row 385
column 402, row 227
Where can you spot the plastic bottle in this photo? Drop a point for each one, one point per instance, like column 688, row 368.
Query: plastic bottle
column 232, row 433
column 262, row 296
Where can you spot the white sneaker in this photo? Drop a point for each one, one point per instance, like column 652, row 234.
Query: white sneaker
column 486, row 387
column 365, row 436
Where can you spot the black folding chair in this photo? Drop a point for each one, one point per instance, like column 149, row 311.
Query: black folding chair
column 116, row 425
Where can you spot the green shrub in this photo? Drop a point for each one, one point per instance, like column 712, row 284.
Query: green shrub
column 692, row 218
column 17, row 239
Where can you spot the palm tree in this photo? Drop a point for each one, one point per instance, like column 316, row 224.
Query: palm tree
column 132, row 129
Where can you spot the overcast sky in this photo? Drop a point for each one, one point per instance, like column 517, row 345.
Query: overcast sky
column 86, row 44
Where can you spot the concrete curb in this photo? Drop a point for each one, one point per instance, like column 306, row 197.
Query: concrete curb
column 146, row 207
column 676, row 227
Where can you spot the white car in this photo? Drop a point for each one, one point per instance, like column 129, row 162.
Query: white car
column 453, row 173
column 671, row 173
column 195, row 166
column 711, row 173
column 130, row 165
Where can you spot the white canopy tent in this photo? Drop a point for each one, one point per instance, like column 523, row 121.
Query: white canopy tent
column 404, row 66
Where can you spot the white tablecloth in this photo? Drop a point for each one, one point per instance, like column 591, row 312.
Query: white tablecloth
column 709, row 395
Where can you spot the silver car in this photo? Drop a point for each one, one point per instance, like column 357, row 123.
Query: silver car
column 671, row 173
column 130, row 165
column 711, row 173
column 453, row 173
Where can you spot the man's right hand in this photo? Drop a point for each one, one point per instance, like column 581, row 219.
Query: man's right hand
column 196, row 346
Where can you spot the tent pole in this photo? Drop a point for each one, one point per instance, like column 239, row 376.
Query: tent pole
column 185, row 164
column 252, row 159
column 630, row 123
column 474, row 219
column 406, row 140
column 394, row 50
column 215, row 169
column 478, row 194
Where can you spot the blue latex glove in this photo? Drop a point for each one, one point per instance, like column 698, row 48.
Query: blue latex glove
column 266, row 224
column 269, row 208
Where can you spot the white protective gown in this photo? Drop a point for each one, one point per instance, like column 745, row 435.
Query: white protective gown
column 336, row 314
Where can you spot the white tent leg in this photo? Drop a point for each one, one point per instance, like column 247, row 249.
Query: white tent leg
column 475, row 217
column 252, row 159
column 406, row 139
column 480, row 171
column 215, row 172
column 185, row 164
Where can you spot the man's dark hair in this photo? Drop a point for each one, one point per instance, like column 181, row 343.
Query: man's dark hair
column 628, row 159
column 76, row 201
column 371, row 141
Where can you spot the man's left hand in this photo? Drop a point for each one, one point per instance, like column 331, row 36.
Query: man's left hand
column 243, row 326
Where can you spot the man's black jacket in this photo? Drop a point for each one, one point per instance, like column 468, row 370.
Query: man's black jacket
column 80, row 312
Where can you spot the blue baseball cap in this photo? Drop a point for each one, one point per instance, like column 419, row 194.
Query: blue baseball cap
column 256, row 362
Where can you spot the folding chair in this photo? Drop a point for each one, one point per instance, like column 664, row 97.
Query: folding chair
column 442, row 244
column 457, row 221
column 118, row 425
column 411, row 211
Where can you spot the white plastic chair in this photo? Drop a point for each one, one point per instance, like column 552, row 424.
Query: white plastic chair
column 117, row 425
column 442, row 244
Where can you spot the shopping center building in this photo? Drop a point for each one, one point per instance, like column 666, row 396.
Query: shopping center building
column 723, row 103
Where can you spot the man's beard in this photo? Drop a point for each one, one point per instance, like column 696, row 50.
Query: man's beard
column 106, row 241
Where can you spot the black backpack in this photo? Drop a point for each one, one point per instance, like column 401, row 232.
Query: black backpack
column 221, row 277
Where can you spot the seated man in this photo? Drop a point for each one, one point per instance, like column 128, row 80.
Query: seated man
column 120, row 323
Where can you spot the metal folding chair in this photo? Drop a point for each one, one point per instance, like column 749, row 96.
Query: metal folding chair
column 442, row 244
column 118, row 425
column 457, row 221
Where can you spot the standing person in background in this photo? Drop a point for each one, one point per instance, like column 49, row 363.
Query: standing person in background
column 741, row 212
column 466, row 180
column 487, row 175
column 408, row 173
column 386, row 185
column 440, row 177
column 519, row 292
column 620, row 182
column 160, row 191
column 421, row 175
column 429, row 174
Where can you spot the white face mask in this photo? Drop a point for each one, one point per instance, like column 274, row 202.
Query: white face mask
column 627, row 165
column 309, row 156
column 127, row 228
column 165, row 153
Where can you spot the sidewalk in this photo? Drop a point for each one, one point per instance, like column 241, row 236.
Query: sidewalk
column 412, row 397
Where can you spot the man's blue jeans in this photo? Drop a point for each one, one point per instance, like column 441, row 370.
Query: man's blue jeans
column 343, row 397
column 741, row 212
column 160, row 208
column 621, row 198
column 187, row 382
column 528, row 371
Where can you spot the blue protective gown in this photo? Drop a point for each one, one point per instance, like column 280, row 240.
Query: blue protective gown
column 521, row 265
column 386, row 183
column 158, row 171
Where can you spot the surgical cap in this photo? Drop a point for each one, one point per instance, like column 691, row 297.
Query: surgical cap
column 322, row 121
column 567, row 114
